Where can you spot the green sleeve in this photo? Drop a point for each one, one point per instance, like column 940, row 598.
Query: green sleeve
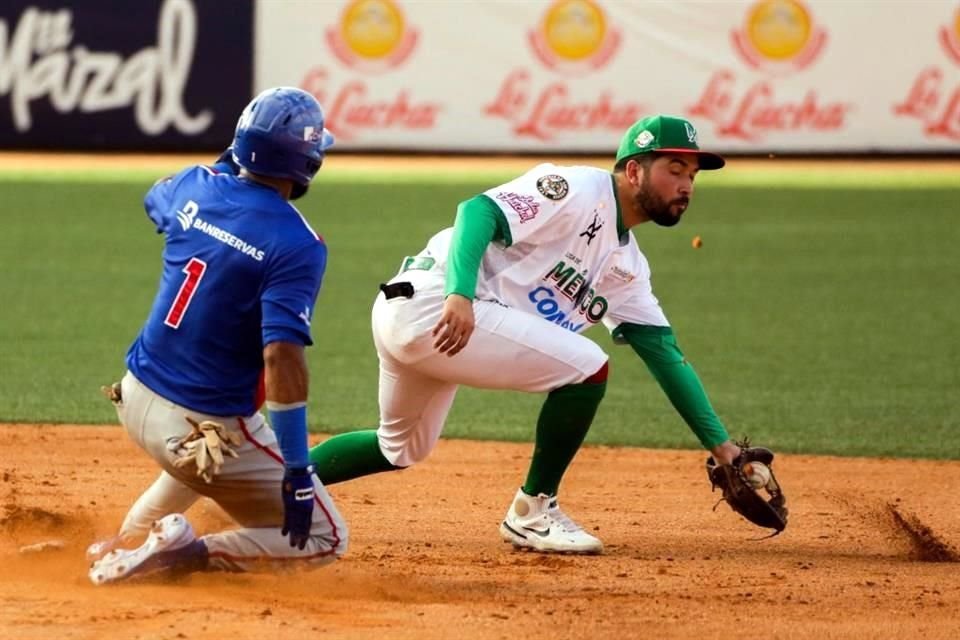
column 479, row 222
column 658, row 348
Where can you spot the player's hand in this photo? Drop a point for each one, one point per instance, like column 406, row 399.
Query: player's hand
column 725, row 452
column 297, row 492
column 455, row 326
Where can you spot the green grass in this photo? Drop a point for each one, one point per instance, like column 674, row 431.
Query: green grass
column 823, row 177
column 821, row 320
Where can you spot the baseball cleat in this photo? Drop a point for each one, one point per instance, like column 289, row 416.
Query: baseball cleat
column 537, row 523
column 171, row 546
column 102, row 547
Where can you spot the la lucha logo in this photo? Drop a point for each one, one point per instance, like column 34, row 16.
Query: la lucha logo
column 373, row 37
column 573, row 38
column 934, row 96
column 779, row 38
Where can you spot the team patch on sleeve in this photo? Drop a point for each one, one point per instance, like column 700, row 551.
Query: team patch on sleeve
column 553, row 187
column 525, row 206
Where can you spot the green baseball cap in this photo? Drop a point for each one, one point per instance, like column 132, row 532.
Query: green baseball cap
column 665, row 134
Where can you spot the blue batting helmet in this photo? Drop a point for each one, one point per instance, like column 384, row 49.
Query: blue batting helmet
column 281, row 134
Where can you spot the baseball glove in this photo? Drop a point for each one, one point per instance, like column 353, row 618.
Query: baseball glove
column 769, row 512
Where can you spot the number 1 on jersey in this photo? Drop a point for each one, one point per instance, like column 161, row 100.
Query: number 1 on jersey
column 194, row 270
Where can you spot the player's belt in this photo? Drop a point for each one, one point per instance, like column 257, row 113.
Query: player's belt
column 417, row 263
column 397, row 289
column 405, row 289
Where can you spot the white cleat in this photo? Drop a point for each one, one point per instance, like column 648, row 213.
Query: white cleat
column 102, row 547
column 536, row 522
column 171, row 542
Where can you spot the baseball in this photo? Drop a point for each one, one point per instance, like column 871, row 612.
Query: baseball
column 696, row 242
column 757, row 473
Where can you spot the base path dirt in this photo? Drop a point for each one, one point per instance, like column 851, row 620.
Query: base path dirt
column 871, row 552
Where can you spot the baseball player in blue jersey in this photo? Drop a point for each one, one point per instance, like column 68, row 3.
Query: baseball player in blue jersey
column 241, row 272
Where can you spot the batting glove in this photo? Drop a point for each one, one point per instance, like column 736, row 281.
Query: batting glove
column 297, row 504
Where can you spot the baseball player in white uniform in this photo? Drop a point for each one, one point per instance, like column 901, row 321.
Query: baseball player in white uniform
column 499, row 302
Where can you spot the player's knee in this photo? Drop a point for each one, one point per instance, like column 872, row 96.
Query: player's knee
column 409, row 456
column 600, row 376
column 400, row 452
column 340, row 546
column 591, row 390
column 407, row 453
column 331, row 544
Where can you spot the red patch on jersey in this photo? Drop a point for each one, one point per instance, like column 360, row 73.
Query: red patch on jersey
column 525, row 206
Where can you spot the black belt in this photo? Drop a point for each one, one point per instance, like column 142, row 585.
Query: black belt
column 397, row 289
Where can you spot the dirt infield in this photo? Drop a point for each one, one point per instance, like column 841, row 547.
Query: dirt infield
column 872, row 549
column 857, row 561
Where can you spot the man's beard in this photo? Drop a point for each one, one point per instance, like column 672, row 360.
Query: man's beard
column 656, row 208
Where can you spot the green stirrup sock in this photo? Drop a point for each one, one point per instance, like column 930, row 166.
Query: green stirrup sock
column 348, row 456
column 563, row 423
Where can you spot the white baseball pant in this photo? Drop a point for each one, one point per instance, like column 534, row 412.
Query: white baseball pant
column 247, row 487
column 509, row 349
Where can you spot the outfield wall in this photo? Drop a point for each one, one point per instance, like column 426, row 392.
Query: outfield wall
column 123, row 74
column 519, row 76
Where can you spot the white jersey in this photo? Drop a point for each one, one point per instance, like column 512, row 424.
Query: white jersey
column 567, row 263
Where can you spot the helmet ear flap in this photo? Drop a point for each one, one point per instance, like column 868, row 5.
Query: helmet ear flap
column 298, row 190
column 314, row 166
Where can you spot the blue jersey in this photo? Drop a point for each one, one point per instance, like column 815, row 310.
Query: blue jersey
column 241, row 269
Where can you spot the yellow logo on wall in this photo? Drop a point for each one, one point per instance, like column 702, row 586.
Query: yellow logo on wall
column 779, row 34
column 373, row 35
column 950, row 37
column 574, row 34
